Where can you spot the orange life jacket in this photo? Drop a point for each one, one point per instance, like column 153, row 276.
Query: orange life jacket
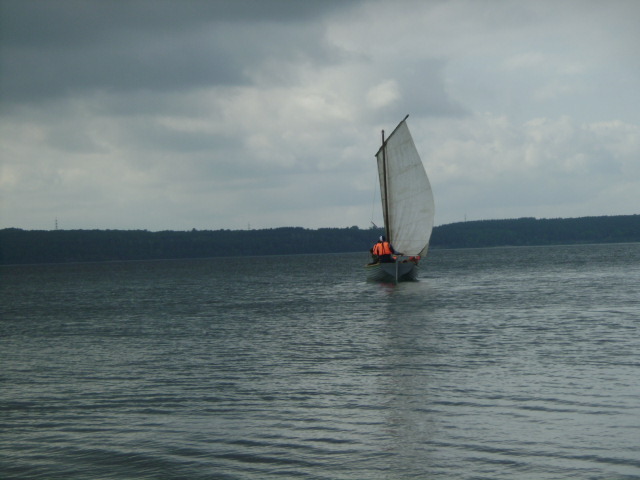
column 382, row 248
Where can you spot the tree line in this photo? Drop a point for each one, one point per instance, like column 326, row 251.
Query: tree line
column 531, row 231
column 19, row 246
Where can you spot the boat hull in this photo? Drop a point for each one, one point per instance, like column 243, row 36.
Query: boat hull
column 392, row 272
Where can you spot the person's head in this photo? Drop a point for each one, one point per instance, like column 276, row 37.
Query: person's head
column 382, row 239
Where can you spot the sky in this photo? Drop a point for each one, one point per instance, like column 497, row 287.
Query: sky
column 237, row 114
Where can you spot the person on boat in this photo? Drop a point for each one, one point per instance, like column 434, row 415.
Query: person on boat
column 383, row 251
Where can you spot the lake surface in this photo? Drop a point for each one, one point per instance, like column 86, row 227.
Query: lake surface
column 503, row 363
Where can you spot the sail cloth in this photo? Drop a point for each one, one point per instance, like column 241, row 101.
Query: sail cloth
column 407, row 199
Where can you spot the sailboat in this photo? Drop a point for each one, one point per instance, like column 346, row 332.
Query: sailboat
column 407, row 206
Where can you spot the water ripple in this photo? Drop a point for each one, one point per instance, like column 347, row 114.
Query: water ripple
column 500, row 363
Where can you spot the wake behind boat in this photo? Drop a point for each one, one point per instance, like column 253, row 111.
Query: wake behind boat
column 407, row 206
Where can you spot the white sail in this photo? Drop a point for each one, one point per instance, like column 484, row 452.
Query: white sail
column 407, row 199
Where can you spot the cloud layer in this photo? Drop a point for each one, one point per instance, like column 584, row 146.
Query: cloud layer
column 178, row 115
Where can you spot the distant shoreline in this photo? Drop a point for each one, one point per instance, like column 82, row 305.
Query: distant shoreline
column 19, row 246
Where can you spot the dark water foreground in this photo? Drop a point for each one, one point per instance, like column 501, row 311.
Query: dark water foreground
column 500, row 364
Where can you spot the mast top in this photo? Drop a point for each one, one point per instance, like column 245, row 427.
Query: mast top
column 384, row 140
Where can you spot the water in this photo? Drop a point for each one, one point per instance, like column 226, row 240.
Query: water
column 499, row 364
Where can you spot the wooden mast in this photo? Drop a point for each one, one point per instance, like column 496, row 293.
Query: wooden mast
column 387, row 225
column 387, row 231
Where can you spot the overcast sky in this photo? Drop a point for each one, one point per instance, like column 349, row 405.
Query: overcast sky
column 173, row 115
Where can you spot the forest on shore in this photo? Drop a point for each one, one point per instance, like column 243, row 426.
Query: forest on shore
column 19, row 246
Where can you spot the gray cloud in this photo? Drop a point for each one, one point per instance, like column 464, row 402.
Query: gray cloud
column 59, row 48
column 182, row 114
